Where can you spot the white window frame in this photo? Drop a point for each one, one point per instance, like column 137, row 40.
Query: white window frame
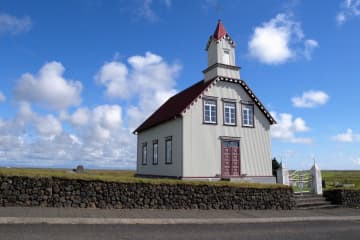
column 229, row 108
column 210, row 111
column 247, row 115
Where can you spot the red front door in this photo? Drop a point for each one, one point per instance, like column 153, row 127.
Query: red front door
column 230, row 159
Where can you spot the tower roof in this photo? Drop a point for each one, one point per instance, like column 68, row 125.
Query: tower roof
column 220, row 31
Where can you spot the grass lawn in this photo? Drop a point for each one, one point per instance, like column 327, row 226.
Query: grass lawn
column 332, row 177
column 118, row 176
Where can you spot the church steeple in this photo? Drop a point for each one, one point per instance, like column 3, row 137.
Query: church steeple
column 221, row 55
column 220, row 30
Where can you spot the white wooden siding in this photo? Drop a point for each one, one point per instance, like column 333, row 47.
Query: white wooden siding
column 202, row 143
column 171, row 128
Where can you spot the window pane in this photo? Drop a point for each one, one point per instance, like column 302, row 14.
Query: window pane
column 248, row 115
column 155, row 153
column 210, row 111
column 229, row 112
column 168, row 146
column 144, row 154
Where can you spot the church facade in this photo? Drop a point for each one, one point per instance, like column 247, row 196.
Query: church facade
column 215, row 129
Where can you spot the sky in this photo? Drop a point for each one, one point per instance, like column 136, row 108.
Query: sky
column 76, row 77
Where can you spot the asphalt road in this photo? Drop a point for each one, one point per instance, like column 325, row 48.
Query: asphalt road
column 298, row 230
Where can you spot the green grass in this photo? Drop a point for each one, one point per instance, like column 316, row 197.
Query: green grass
column 118, row 176
column 333, row 177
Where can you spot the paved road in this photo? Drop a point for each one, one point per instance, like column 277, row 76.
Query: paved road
column 280, row 231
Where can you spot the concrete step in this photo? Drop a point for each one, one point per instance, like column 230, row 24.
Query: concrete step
column 306, row 195
column 327, row 206
column 311, row 201
column 312, row 204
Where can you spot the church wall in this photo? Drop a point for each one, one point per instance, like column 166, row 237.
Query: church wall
column 202, row 142
column 173, row 129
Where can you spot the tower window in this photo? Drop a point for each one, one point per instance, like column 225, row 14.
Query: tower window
column 226, row 57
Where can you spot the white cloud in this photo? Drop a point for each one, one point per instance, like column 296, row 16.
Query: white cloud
column 356, row 161
column 310, row 45
column 144, row 9
column 95, row 137
column 14, row 25
column 286, row 128
column 113, row 76
column 278, row 41
column 143, row 78
column 49, row 88
column 347, row 137
column 80, row 117
column 46, row 126
column 310, row 99
column 349, row 9
column 2, row 97
column 146, row 12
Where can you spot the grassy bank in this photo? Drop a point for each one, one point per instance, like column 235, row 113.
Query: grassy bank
column 116, row 176
column 333, row 177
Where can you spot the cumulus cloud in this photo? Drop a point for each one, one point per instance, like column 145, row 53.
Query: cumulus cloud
column 356, row 161
column 279, row 40
column 310, row 99
column 14, row 25
column 140, row 79
column 95, row 138
column 113, row 76
column 349, row 9
column 347, row 137
column 100, row 136
column 287, row 127
column 2, row 97
column 49, row 88
column 46, row 126
column 310, row 45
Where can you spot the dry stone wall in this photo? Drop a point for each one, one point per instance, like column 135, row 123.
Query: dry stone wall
column 57, row 192
column 344, row 197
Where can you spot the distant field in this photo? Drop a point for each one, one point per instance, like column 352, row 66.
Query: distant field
column 116, row 176
column 332, row 177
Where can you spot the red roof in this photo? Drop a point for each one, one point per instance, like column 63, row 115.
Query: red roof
column 174, row 105
column 220, row 30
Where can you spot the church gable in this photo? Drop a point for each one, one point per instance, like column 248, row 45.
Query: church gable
column 237, row 91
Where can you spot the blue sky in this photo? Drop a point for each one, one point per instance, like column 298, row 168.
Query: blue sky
column 76, row 77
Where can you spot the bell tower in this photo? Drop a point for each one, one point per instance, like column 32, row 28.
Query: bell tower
column 221, row 55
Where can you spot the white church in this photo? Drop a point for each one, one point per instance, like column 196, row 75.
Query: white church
column 215, row 129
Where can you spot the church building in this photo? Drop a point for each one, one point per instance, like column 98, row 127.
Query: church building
column 215, row 129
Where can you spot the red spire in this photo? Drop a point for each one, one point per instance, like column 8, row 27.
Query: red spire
column 220, row 30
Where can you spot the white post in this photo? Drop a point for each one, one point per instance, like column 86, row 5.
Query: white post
column 316, row 180
column 282, row 175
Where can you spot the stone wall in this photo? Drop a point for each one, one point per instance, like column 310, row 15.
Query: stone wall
column 344, row 197
column 57, row 192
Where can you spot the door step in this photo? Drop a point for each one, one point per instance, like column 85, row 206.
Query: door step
column 306, row 201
